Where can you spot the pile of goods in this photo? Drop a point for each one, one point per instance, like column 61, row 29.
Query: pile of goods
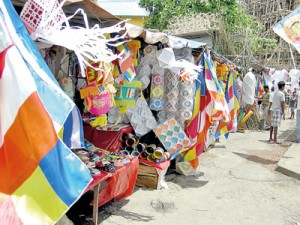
column 97, row 159
column 152, row 153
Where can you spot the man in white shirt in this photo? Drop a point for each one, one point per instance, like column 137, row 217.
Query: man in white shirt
column 277, row 107
column 298, row 116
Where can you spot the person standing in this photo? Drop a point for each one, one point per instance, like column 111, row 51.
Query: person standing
column 265, row 106
column 277, row 106
column 298, row 117
column 293, row 101
column 270, row 111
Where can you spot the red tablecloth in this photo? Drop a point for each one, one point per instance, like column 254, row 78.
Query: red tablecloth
column 98, row 179
column 109, row 139
column 120, row 184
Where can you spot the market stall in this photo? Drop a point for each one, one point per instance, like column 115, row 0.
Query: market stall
column 146, row 99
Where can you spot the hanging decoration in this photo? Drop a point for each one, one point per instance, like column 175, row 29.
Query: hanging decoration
column 47, row 23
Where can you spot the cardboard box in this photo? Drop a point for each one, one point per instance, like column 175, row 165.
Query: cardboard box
column 147, row 177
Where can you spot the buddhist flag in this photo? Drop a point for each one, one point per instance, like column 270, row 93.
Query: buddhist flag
column 40, row 177
column 192, row 128
column 217, row 108
column 259, row 90
column 72, row 134
column 233, row 105
column 289, row 28
column 198, row 126
column 126, row 62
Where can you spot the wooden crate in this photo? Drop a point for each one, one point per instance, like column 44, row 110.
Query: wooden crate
column 147, row 177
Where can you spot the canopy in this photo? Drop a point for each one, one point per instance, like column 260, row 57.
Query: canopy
column 152, row 37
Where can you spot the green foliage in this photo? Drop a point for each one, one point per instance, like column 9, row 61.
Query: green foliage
column 161, row 11
column 233, row 17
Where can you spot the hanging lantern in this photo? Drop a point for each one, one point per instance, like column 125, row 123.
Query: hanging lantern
column 222, row 71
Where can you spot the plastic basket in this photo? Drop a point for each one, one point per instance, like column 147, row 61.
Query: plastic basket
column 36, row 14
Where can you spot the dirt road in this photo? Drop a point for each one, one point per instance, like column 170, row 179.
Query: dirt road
column 237, row 185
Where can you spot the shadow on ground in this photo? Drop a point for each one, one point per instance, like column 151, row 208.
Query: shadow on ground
column 189, row 181
column 115, row 208
column 285, row 134
column 257, row 159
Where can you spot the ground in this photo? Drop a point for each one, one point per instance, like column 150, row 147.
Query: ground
column 237, row 184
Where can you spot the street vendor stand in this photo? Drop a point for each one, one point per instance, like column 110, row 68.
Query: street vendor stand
column 120, row 184
column 151, row 82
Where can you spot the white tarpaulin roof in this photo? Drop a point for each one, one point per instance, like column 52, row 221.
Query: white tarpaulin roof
column 151, row 37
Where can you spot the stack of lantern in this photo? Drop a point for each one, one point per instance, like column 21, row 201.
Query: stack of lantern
column 151, row 153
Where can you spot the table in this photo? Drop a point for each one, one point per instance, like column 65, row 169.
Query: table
column 95, row 185
column 120, row 184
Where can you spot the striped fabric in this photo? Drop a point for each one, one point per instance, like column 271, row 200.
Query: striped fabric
column 126, row 63
column 259, row 90
column 233, row 105
column 73, row 130
column 198, row 126
column 40, row 177
column 47, row 86
column 217, row 108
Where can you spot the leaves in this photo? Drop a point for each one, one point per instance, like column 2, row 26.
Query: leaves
column 233, row 14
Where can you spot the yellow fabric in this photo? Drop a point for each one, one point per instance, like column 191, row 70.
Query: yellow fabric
column 61, row 133
column 247, row 117
column 33, row 197
column 196, row 107
column 134, row 83
column 99, row 121
column 190, row 155
column 125, row 103
column 91, row 90
column 134, row 47
column 222, row 70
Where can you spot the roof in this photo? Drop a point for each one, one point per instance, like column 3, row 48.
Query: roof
column 94, row 12
column 151, row 37
column 130, row 8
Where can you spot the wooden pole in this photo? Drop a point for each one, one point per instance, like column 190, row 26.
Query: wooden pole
column 292, row 56
column 95, row 205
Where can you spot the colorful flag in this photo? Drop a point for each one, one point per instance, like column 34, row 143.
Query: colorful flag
column 289, row 28
column 193, row 125
column 40, row 177
column 217, row 108
column 264, row 81
column 126, row 63
column 198, row 126
column 259, row 90
column 233, row 105
column 73, row 130
column 199, row 141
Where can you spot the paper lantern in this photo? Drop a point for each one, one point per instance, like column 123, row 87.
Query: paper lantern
column 165, row 57
column 249, row 84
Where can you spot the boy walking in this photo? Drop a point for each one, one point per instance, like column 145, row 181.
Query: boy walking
column 277, row 106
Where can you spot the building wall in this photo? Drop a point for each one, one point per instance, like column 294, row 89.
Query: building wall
column 138, row 21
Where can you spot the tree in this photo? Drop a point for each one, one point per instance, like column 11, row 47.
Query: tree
column 161, row 11
column 234, row 21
